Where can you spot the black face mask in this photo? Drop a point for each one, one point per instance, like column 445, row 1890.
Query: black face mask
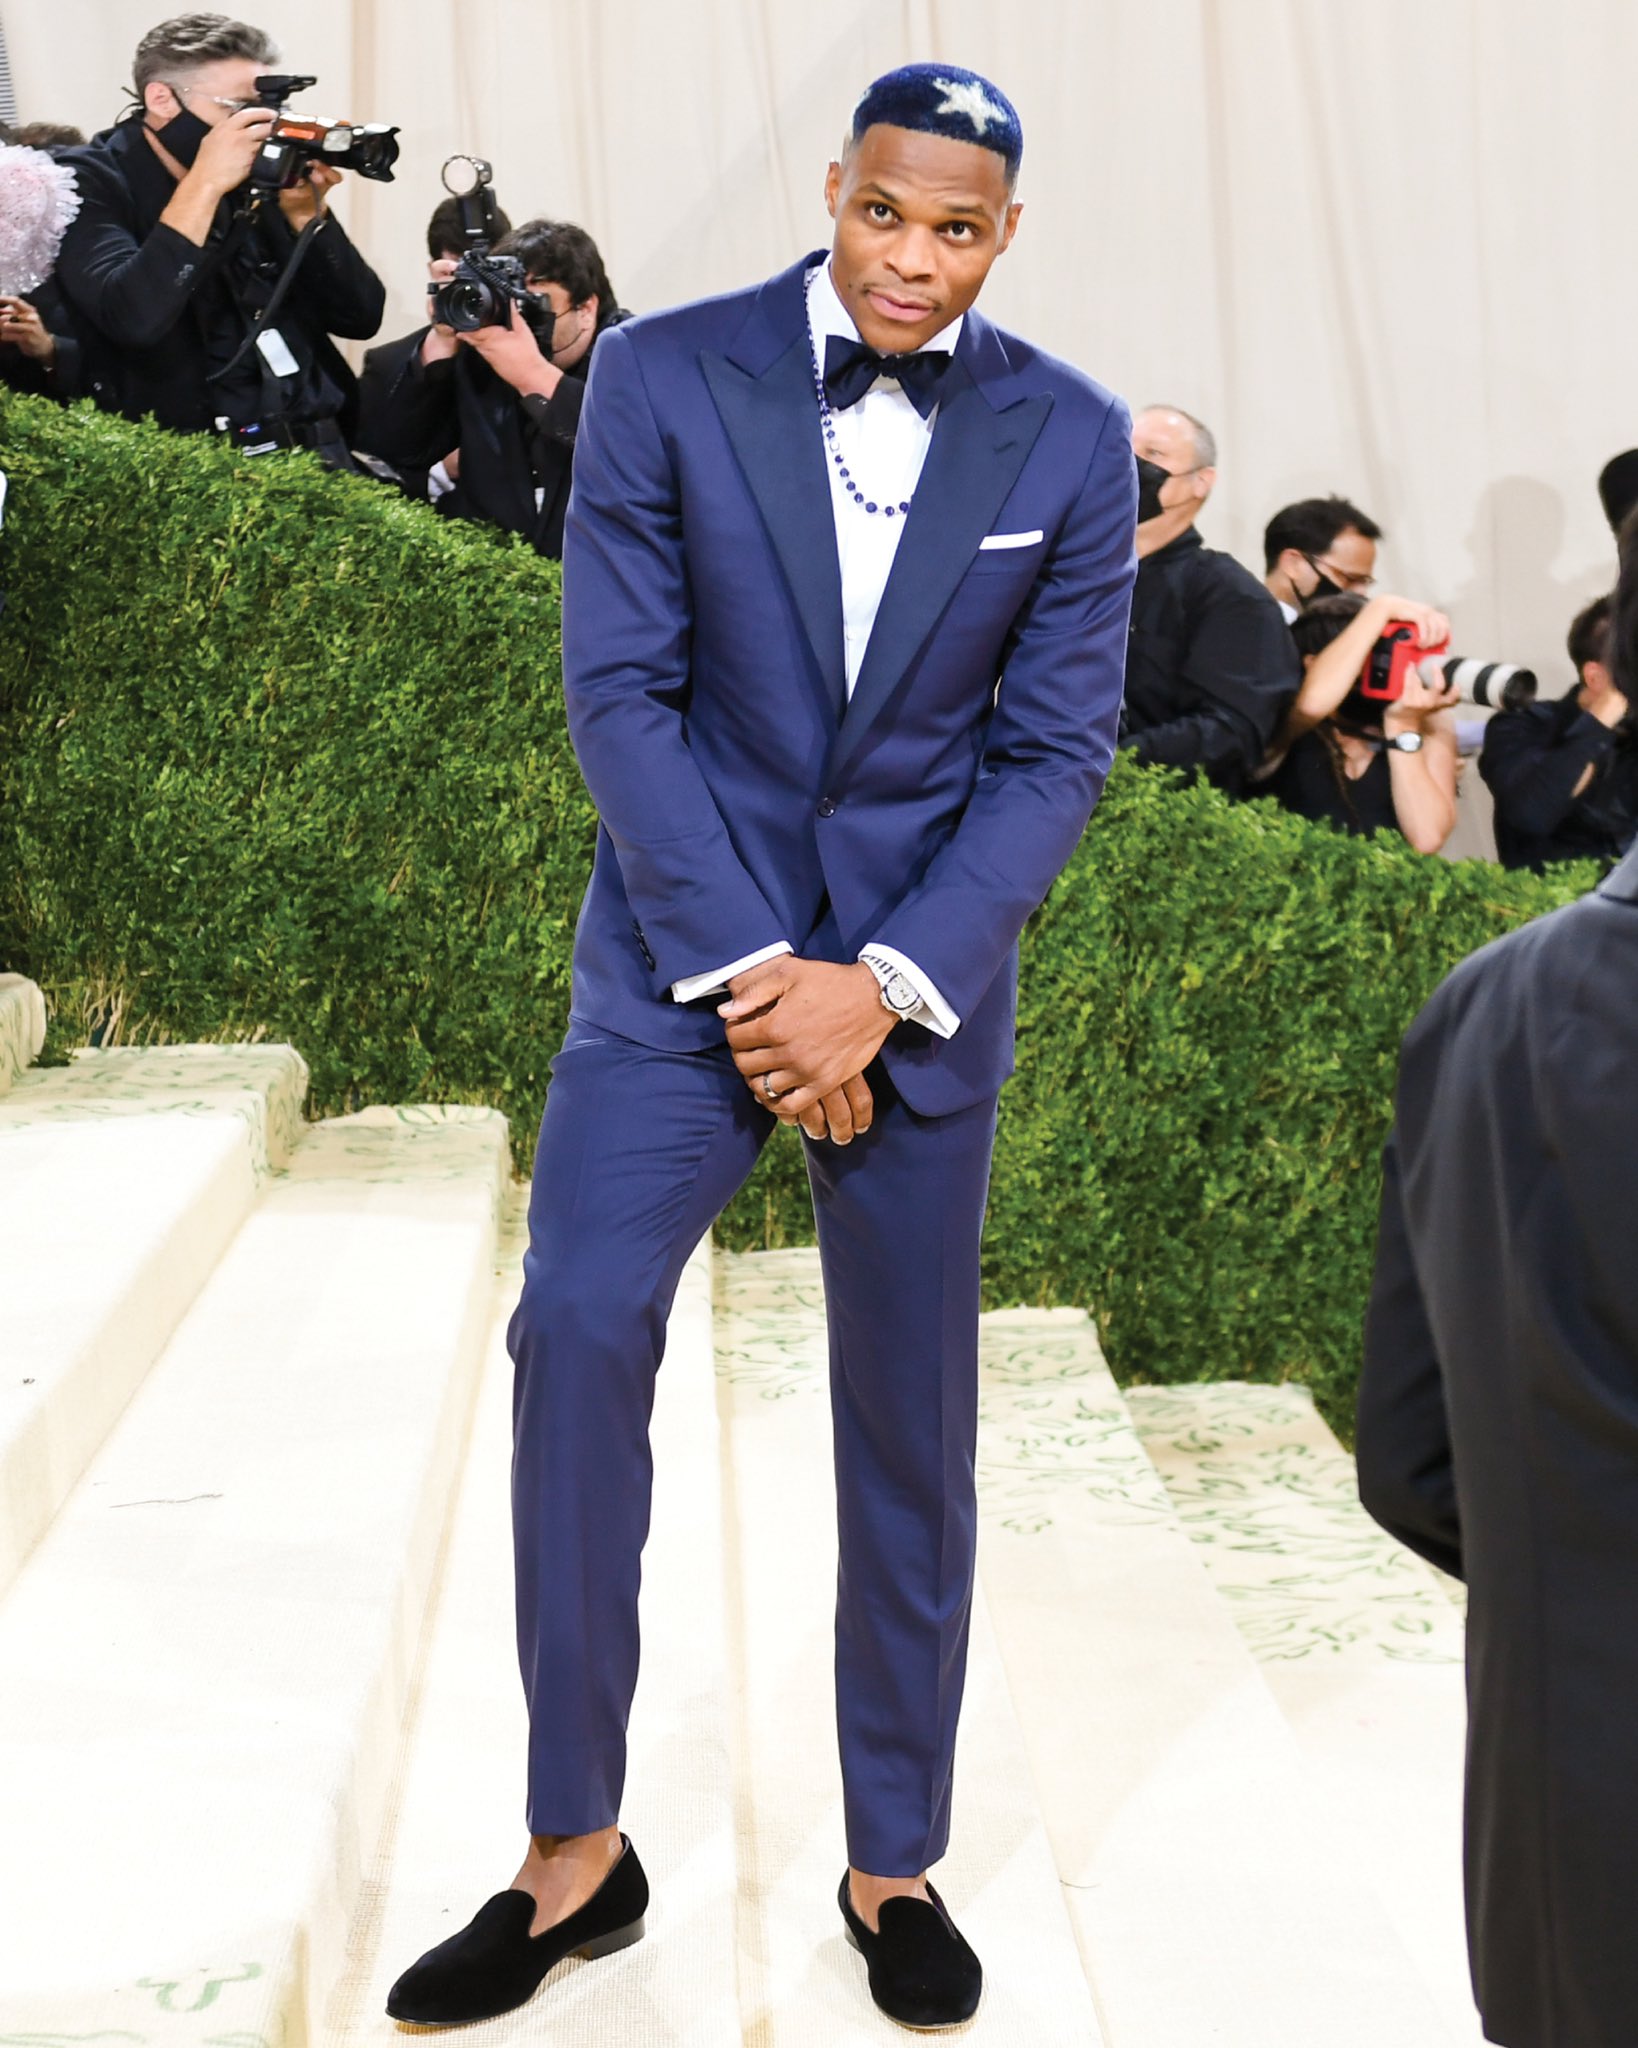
column 1152, row 479
column 182, row 136
column 1323, row 587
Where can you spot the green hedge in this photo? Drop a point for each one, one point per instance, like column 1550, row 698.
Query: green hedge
column 284, row 755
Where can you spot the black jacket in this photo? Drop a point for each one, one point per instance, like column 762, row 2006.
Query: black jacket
column 1532, row 760
column 1211, row 667
column 158, row 313
column 412, row 414
column 1498, row 1437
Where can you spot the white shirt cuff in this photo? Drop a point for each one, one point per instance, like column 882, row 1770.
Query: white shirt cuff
column 711, row 984
column 935, row 1012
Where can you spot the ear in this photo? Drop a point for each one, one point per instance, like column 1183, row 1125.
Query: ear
column 1203, row 481
column 1009, row 227
column 1598, row 674
column 593, row 305
column 160, row 101
column 833, row 188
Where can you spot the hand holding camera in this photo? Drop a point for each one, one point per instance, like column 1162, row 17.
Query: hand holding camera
column 227, row 153
column 1419, row 701
column 309, row 196
column 513, row 352
column 442, row 339
column 1430, row 625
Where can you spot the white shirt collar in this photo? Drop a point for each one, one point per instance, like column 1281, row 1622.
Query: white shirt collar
column 827, row 316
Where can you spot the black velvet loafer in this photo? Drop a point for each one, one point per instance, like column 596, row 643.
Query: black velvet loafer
column 495, row 1963
column 922, row 1973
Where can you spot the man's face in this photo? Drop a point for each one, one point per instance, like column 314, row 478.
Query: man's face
column 1167, row 438
column 570, row 334
column 203, row 89
column 1350, row 562
column 919, row 221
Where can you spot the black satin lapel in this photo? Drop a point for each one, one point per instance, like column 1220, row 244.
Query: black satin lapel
column 971, row 468
column 772, row 422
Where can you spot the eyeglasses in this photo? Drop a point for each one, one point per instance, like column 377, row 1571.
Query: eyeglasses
column 1350, row 579
column 215, row 98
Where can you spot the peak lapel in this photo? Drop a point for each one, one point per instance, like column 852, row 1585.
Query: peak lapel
column 772, row 421
column 972, row 465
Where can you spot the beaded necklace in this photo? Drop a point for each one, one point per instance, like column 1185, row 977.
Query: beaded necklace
column 827, row 421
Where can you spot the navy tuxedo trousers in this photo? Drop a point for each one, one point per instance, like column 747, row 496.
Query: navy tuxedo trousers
column 639, row 1151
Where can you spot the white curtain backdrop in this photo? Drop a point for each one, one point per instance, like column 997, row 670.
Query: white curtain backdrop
column 1382, row 249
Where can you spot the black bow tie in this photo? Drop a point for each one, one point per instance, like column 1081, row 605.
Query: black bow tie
column 851, row 367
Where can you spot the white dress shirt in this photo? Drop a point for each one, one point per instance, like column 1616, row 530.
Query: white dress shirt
column 883, row 441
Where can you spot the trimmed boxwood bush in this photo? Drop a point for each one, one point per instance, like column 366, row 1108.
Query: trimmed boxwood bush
column 284, row 755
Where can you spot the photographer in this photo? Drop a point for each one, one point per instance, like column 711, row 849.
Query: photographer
column 434, row 481
column 1366, row 765
column 1210, row 667
column 1565, row 774
column 174, row 254
column 507, row 396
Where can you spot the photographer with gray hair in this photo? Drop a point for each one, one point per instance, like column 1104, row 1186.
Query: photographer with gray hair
column 1210, row 668
column 177, row 253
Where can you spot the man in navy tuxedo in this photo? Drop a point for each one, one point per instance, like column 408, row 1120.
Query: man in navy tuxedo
column 846, row 579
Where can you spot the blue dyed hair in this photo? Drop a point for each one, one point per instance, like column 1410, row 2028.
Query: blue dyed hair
column 942, row 99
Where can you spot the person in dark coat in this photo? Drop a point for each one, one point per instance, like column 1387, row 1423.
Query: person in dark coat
column 167, row 266
column 1210, row 667
column 1564, row 773
column 1498, row 1438
column 497, row 409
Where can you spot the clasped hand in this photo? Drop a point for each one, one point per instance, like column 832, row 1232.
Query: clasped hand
column 806, row 1030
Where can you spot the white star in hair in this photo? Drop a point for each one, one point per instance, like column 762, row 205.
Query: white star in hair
column 972, row 100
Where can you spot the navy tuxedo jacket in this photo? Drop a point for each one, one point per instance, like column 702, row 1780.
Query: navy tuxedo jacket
column 743, row 800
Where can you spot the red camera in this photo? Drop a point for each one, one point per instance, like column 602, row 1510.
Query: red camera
column 1497, row 685
column 1393, row 657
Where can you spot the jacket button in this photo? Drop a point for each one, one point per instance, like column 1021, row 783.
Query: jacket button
column 826, row 808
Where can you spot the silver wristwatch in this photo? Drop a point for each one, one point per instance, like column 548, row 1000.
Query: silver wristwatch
column 1407, row 742
column 899, row 992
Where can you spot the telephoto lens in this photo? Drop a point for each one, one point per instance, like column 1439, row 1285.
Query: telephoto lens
column 1497, row 685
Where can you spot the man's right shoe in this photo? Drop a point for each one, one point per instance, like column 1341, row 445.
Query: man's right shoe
column 495, row 1964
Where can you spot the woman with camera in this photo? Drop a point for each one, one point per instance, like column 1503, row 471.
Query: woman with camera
column 1358, row 762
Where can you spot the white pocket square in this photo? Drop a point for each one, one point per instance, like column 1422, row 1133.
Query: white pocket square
column 1011, row 540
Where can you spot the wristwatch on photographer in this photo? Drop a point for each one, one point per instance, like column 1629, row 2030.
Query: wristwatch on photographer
column 899, row 992
column 1406, row 742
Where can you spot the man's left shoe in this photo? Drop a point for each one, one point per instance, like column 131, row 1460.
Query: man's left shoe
column 922, row 1973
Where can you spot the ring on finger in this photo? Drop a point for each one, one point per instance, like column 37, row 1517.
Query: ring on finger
column 768, row 1088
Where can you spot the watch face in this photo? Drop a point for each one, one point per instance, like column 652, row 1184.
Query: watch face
column 901, row 995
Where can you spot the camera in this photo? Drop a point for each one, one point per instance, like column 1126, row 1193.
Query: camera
column 1497, row 685
column 296, row 140
column 485, row 287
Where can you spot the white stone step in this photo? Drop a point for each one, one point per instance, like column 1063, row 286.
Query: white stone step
column 457, row 1830
column 123, row 1177
column 22, row 1026
column 203, row 1664
column 1359, row 1644
column 801, row 1985
column 1214, row 1897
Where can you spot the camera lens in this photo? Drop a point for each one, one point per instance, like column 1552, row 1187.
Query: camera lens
column 468, row 304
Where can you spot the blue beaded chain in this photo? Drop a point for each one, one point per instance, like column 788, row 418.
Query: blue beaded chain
column 827, row 421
